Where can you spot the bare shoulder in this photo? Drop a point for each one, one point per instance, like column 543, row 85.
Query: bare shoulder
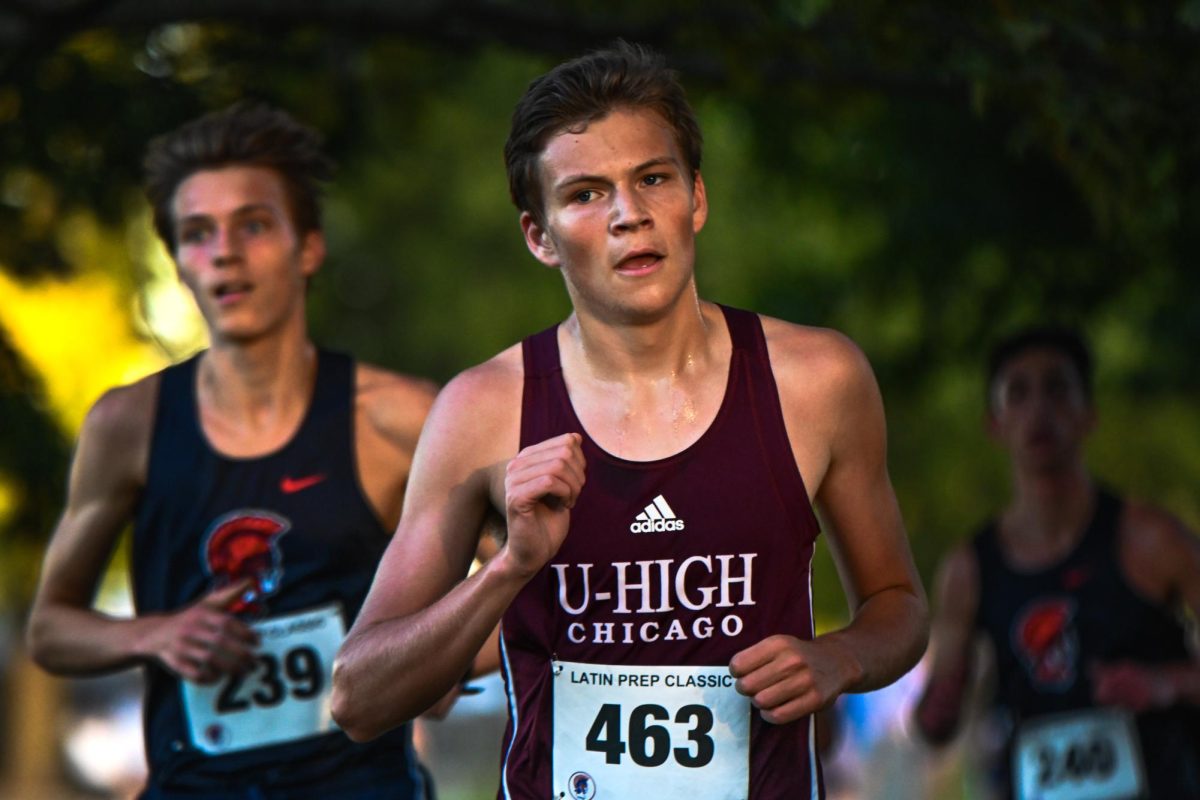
column 804, row 355
column 114, row 444
column 393, row 405
column 473, row 429
column 487, row 394
column 1158, row 550
column 124, row 415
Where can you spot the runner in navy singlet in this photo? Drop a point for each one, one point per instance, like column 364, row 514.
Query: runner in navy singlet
column 657, row 458
column 262, row 476
column 1080, row 596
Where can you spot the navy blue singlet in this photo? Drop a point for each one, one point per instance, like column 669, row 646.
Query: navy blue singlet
column 297, row 525
column 1047, row 626
column 616, row 654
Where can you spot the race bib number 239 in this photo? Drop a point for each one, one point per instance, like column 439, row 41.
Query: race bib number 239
column 285, row 697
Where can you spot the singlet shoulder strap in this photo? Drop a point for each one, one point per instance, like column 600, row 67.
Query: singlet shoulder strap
column 545, row 406
column 177, row 388
column 335, row 381
column 745, row 330
column 176, row 439
column 1101, row 534
column 540, row 353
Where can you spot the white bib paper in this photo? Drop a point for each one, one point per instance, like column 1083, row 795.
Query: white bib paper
column 284, row 698
column 685, row 731
column 1084, row 755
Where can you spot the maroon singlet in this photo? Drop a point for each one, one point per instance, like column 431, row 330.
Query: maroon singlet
column 669, row 566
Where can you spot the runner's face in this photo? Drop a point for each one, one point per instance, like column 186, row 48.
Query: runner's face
column 238, row 251
column 622, row 213
column 1039, row 409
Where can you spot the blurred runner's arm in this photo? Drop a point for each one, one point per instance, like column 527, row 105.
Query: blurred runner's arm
column 1160, row 550
column 65, row 634
column 939, row 711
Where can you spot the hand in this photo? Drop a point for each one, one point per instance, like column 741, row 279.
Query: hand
column 1131, row 686
column 204, row 642
column 788, row 678
column 440, row 709
column 541, row 486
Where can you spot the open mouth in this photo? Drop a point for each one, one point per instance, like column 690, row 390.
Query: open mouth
column 639, row 262
column 230, row 291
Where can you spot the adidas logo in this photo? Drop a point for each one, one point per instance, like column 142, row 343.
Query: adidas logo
column 657, row 517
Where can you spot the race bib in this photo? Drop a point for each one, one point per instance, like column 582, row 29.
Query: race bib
column 620, row 729
column 1083, row 755
column 285, row 697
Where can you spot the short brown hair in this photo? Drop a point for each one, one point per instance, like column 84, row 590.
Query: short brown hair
column 583, row 90
column 1067, row 341
column 248, row 133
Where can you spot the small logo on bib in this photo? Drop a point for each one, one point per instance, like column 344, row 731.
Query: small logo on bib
column 583, row 786
column 656, row 518
column 216, row 734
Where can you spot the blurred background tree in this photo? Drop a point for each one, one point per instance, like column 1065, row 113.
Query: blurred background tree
column 923, row 177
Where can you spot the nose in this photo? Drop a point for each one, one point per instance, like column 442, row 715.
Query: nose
column 226, row 245
column 629, row 211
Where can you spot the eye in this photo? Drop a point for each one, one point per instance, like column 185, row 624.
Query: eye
column 256, row 226
column 1015, row 392
column 654, row 180
column 193, row 235
column 585, row 196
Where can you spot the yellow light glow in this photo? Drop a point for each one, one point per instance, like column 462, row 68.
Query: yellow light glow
column 77, row 336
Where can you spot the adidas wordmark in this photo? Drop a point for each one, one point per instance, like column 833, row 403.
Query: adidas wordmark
column 657, row 517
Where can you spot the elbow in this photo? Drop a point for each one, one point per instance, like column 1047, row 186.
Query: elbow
column 346, row 712
column 350, row 722
column 936, row 725
column 37, row 643
column 921, row 627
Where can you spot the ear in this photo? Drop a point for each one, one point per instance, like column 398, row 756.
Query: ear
column 539, row 241
column 312, row 253
column 699, row 203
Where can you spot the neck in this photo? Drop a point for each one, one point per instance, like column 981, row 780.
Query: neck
column 266, row 376
column 1055, row 503
column 680, row 342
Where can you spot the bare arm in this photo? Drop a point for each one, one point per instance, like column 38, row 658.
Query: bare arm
column 420, row 627
column 65, row 635
column 1161, row 560
column 390, row 410
column 835, row 418
column 956, row 598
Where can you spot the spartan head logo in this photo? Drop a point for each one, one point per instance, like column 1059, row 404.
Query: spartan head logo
column 583, row 787
column 243, row 545
column 1045, row 640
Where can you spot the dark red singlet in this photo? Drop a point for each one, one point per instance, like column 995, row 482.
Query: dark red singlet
column 676, row 563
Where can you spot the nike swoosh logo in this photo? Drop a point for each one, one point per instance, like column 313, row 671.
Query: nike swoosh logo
column 293, row 485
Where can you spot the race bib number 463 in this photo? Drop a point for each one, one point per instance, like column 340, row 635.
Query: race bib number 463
column 285, row 696
column 620, row 729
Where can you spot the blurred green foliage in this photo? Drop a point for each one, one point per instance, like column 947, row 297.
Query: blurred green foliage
column 922, row 178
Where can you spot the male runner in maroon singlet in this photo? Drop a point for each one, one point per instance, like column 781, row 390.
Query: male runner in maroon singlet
column 262, row 477
column 657, row 633
column 1079, row 594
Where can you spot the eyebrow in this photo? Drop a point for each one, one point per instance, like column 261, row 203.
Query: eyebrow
column 571, row 180
column 240, row 211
